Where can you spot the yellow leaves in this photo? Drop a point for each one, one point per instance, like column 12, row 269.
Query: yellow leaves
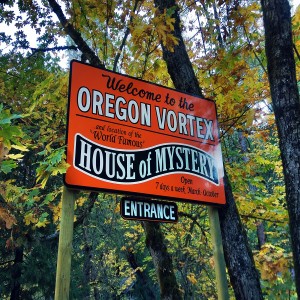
column 5, row 150
column 54, row 99
column 296, row 35
column 133, row 234
column 250, row 117
column 247, row 207
column 139, row 30
column 43, row 223
column 248, row 15
column 108, row 220
column 164, row 25
column 130, row 235
column 9, row 137
column 30, row 218
column 60, row 169
column 160, row 28
column 191, row 278
column 15, row 156
column 272, row 262
column 296, row 20
column 43, row 178
column 56, row 210
column 117, row 208
column 296, row 17
column 80, row 201
column 20, row 147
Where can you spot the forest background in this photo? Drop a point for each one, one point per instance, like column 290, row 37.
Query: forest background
column 111, row 259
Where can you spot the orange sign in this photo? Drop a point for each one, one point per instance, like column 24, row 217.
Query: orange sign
column 130, row 136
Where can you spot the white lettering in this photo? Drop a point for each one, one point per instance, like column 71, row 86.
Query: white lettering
column 121, row 112
column 127, row 208
column 161, row 119
column 109, row 105
column 172, row 121
column 165, row 213
column 134, row 208
column 209, row 134
column 160, row 211
column 98, row 161
column 85, row 154
column 130, row 173
column 147, row 210
column 172, row 213
column 80, row 101
column 153, row 211
column 97, row 102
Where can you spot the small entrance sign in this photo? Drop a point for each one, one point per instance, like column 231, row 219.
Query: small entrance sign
column 133, row 137
column 151, row 210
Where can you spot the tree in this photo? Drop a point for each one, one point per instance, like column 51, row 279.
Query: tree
column 224, row 44
column 286, row 104
column 244, row 279
column 26, row 205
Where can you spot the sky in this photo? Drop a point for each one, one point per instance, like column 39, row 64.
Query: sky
column 31, row 33
column 295, row 3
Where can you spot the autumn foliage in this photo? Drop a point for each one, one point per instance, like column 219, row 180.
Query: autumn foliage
column 225, row 43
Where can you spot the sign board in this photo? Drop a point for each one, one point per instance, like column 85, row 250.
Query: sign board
column 134, row 209
column 133, row 137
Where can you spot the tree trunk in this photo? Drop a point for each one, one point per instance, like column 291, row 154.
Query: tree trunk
column 239, row 260
column 162, row 260
column 16, row 272
column 261, row 236
column 90, row 274
column 142, row 279
column 286, row 104
column 260, row 230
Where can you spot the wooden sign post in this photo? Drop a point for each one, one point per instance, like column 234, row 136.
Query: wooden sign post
column 63, row 269
column 220, row 267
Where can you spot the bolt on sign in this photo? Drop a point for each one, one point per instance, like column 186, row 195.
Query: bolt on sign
column 133, row 137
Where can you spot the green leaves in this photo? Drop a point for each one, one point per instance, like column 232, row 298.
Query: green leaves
column 32, row 152
column 6, row 117
column 8, row 131
column 7, row 166
column 52, row 164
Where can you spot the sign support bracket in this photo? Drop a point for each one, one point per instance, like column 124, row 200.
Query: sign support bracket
column 63, row 270
column 220, row 267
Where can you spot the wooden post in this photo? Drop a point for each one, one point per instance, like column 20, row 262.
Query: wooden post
column 220, row 267
column 63, row 269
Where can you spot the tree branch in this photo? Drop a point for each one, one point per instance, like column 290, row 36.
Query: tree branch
column 76, row 36
column 125, row 37
column 235, row 122
column 296, row 51
column 91, row 200
column 255, row 54
column 58, row 48
column 6, row 262
column 263, row 219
